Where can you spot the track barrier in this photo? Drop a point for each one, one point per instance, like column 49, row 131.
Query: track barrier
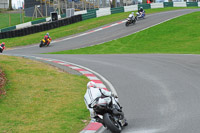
column 13, row 32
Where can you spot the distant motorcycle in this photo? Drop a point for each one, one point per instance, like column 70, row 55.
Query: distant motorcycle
column 1, row 49
column 139, row 16
column 131, row 19
column 45, row 42
column 111, row 114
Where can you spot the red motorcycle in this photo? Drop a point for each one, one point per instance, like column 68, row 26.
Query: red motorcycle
column 2, row 47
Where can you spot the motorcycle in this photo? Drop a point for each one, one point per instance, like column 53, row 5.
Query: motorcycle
column 1, row 49
column 109, row 113
column 139, row 16
column 45, row 42
column 130, row 20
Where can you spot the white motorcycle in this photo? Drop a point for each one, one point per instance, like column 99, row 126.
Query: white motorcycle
column 131, row 19
column 110, row 112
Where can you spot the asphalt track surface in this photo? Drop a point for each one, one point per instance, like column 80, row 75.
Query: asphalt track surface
column 159, row 93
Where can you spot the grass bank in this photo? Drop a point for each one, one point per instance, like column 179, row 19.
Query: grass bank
column 75, row 28
column 12, row 19
column 177, row 36
column 41, row 98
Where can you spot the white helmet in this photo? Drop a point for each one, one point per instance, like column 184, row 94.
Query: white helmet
column 91, row 84
column 141, row 7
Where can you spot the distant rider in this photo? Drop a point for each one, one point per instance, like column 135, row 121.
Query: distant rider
column 3, row 45
column 92, row 93
column 140, row 11
column 47, row 38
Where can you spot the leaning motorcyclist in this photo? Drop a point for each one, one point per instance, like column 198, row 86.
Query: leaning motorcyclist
column 47, row 38
column 140, row 11
column 93, row 93
column 131, row 16
column 3, row 45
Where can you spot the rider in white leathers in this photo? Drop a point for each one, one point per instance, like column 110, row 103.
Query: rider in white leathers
column 131, row 16
column 93, row 93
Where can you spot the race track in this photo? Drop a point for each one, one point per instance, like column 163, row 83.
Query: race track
column 159, row 92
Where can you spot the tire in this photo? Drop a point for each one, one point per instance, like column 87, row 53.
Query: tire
column 126, row 124
column 1, row 50
column 41, row 44
column 111, row 124
column 127, row 23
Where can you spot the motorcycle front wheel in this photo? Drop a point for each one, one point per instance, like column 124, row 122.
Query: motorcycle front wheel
column 41, row 44
column 111, row 124
column 1, row 50
column 127, row 23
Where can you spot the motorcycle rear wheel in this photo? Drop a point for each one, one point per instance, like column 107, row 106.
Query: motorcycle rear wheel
column 111, row 124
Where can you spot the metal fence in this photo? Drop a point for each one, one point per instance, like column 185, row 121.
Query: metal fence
column 8, row 19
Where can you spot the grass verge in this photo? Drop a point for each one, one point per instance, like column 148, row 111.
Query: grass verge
column 177, row 36
column 75, row 28
column 41, row 98
column 2, row 83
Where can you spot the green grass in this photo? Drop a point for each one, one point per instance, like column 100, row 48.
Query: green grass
column 74, row 28
column 41, row 98
column 177, row 36
column 16, row 18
